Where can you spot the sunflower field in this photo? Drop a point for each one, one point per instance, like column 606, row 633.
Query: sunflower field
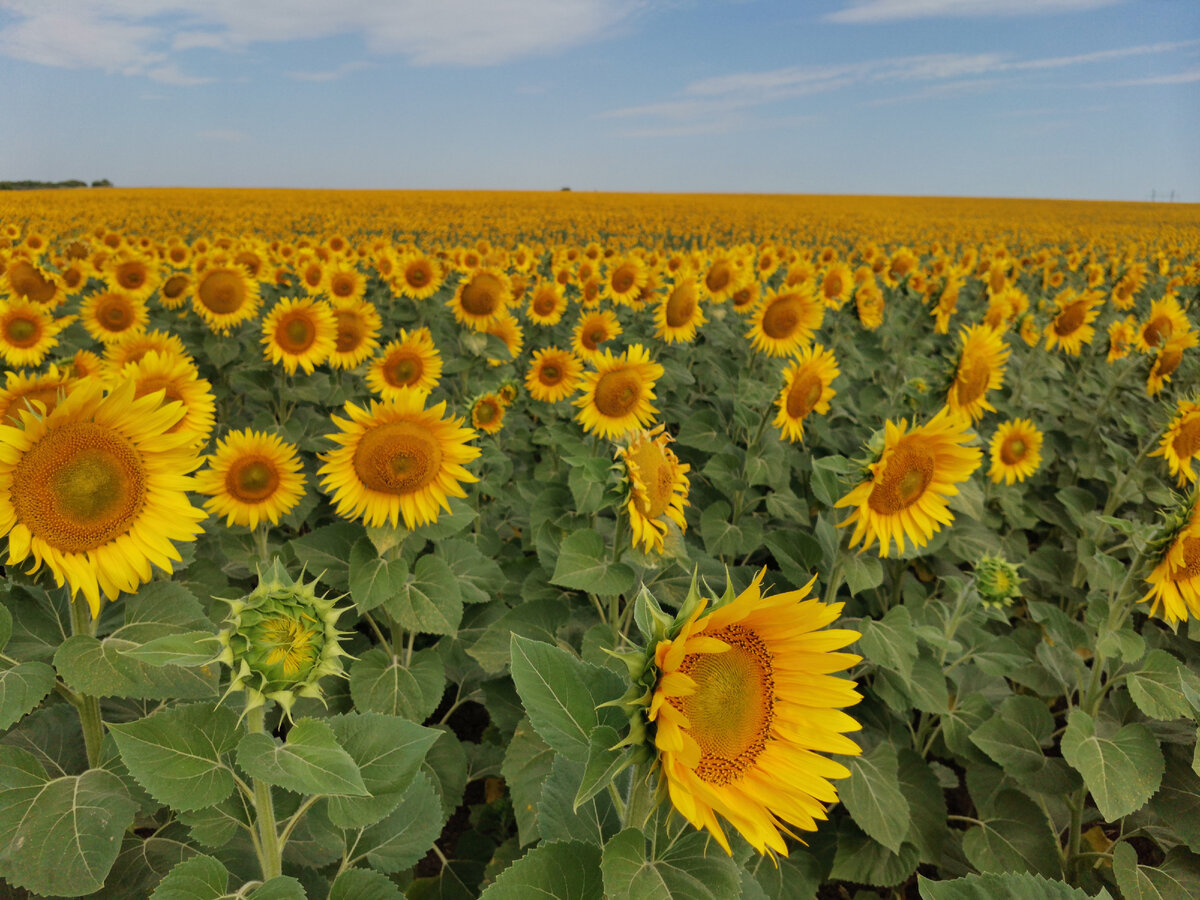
column 448, row 545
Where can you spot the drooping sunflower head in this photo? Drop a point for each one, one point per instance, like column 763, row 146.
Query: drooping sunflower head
column 1071, row 328
column 224, row 296
column 786, row 321
column 397, row 460
column 553, row 375
column 980, row 369
column 411, row 363
column 807, row 389
column 358, row 325
column 280, row 640
column 1168, row 360
column 487, row 413
column 1180, row 444
column 1165, row 319
column 678, row 316
column 1016, row 451
column 252, row 477
column 997, row 580
column 96, row 489
column 1175, row 551
column 506, row 327
column 24, row 279
column 742, row 703
column 299, row 332
column 869, row 304
column 917, row 470
column 616, row 396
column 658, row 487
column 1121, row 336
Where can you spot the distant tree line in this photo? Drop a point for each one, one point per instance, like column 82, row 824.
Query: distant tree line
column 40, row 185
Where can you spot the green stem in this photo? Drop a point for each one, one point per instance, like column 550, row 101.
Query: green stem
column 270, row 857
column 260, row 544
column 642, row 798
column 87, row 705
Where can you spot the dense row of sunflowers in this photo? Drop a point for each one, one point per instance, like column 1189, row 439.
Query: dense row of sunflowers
column 107, row 424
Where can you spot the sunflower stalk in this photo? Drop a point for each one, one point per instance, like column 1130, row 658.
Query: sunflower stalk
column 87, row 705
column 642, row 799
column 270, row 855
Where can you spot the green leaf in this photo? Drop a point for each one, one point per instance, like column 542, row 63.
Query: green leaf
column 863, row 573
column 565, row 871
column 1138, row 882
column 379, row 683
column 479, row 577
column 704, row 431
column 310, row 762
column 176, row 754
column 1014, row 837
column 866, row 861
column 388, row 752
column 325, row 552
column 22, row 688
column 281, row 887
column 538, row 619
column 927, row 828
column 198, row 878
column 723, row 537
column 1122, row 772
column 891, row 642
column 526, row 766
column 60, row 836
column 374, row 580
column 364, row 884
column 1013, row 737
column 1158, row 686
column 430, row 601
column 1010, row 886
column 556, row 689
column 401, row 839
column 6, row 626
column 684, row 872
column 588, row 481
column 192, row 648
column 559, row 819
column 583, row 565
column 872, row 796
column 602, row 765
column 215, row 826
column 927, row 686
column 826, row 480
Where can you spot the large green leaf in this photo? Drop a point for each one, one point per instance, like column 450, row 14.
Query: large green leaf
column 311, row 761
column 364, row 884
column 891, row 642
column 374, row 580
column 178, row 754
column 381, row 683
column 691, row 869
column 538, row 619
column 583, row 565
column 558, row 816
column 1013, row 737
column 1138, row 882
column 325, row 552
column 1013, row 837
column 404, row 836
column 22, row 688
column 526, row 766
column 565, row 871
column 59, row 836
column 198, row 878
column 1122, row 771
column 1010, row 886
column 873, row 797
column 861, row 859
column 479, row 577
column 1158, row 686
column 429, row 601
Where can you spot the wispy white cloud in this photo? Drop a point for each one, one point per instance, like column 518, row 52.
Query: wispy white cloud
column 134, row 36
column 333, row 74
column 870, row 12
column 1189, row 77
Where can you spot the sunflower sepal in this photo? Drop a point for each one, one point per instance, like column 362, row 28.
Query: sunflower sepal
column 651, row 621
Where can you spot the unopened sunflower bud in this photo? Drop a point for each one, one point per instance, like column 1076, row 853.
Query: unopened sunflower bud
column 997, row 581
column 280, row 640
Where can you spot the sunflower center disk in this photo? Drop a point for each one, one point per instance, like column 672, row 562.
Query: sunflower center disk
column 1155, row 329
column 617, row 393
column 28, row 282
column 343, row 286
column 403, row 371
column 174, row 286
column 289, row 645
column 550, row 375
column 350, row 333
column 681, row 305
column 417, row 275
column 486, row 412
column 718, row 277
column 481, row 297
column 781, row 318
column 733, row 707
column 1187, row 441
column 221, row 292
column 115, row 314
column 1167, row 362
column 804, row 395
column 1013, row 450
column 972, row 381
column 1070, row 319
column 904, row 480
column 22, row 332
column 251, row 480
column 397, row 458
column 544, row 305
column 623, row 279
column 1191, row 561
column 656, row 473
column 79, row 487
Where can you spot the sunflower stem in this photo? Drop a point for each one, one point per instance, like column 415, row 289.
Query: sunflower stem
column 642, row 798
column 270, row 855
column 260, row 544
column 87, row 705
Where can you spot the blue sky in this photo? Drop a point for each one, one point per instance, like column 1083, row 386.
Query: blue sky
column 1092, row 99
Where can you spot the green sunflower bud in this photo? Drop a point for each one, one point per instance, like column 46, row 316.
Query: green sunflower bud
column 280, row 640
column 997, row 581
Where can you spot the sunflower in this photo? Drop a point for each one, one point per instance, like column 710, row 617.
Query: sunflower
column 481, row 297
column 176, row 377
column 410, row 363
column 224, row 296
column 1071, row 328
column 744, row 705
column 83, row 364
column 658, row 487
column 679, row 315
column 1121, row 335
column 37, row 392
column 28, row 332
column 593, row 330
column 1166, row 318
column 133, row 347
column 869, row 304
column 344, row 283
column 1016, row 451
column 836, row 285
column 173, row 292
column 806, row 389
column 746, row 297
column 97, row 490
column 785, row 321
column 947, row 303
column 299, row 332
column 396, row 460
column 253, row 476
column 74, row 275
column 311, row 272
column 980, row 369
column 906, row 493
column 111, row 315
column 358, row 325
column 418, row 276
column 1167, row 360
column 553, row 375
column 508, row 329
column 1181, row 441
column 722, row 277
column 546, row 304
column 1175, row 580
column 25, row 280
column 487, row 413
column 624, row 279
column 616, row 397
column 131, row 274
